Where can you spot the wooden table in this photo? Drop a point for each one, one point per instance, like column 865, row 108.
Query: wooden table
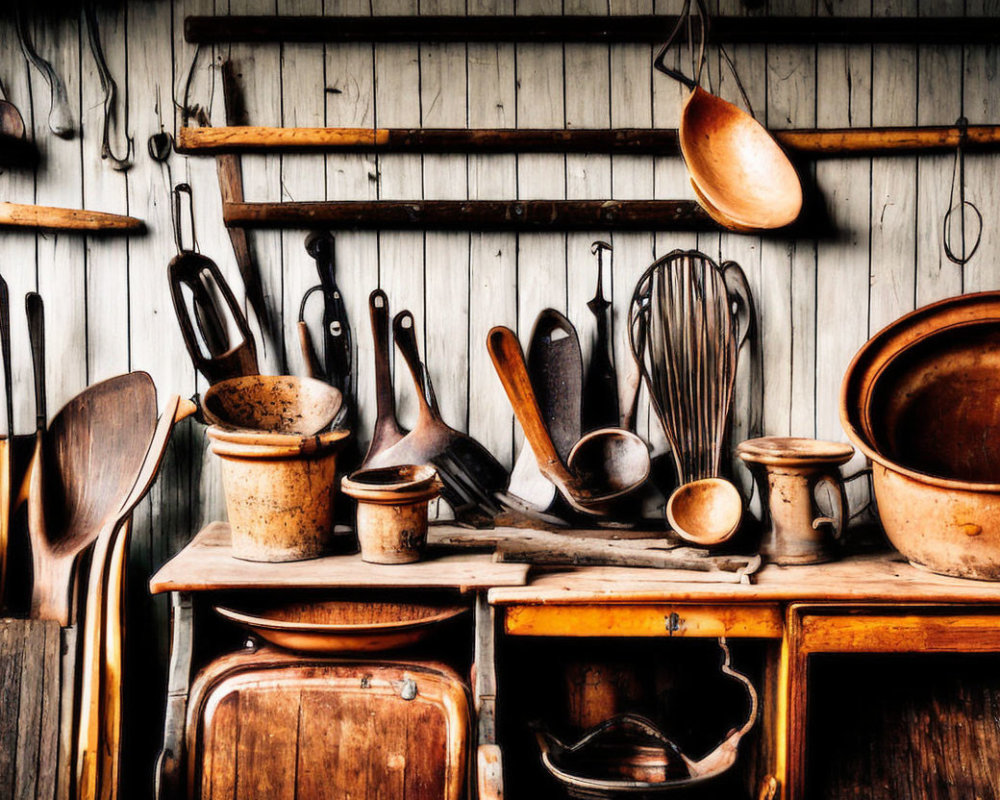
column 865, row 604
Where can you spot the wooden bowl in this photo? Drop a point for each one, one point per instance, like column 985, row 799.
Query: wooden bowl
column 744, row 177
column 341, row 626
column 706, row 512
column 273, row 403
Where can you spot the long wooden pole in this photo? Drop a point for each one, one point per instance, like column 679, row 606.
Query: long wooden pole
column 647, row 28
column 817, row 143
column 17, row 215
column 515, row 215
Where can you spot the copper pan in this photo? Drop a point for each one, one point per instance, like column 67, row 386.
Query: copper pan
column 919, row 400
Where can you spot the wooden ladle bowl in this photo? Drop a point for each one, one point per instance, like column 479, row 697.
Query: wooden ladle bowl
column 741, row 175
column 706, row 512
column 612, row 461
column 273, row 403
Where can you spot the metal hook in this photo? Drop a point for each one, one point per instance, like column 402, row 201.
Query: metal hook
column 179, row 189
column 60, row 116
column 110, row 89
column 958, row 173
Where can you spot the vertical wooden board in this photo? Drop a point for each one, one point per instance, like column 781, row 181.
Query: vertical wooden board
column 588, row 175
column 48, row 747
column 894, row 180
column 541, row 257
column 11, row 653
column 981, row 103
column 350, row 101
column 29, row 715
column 219, row 755
column 107, row 312
column 267, row 747
column 788, row 266
column 631, row 106
column 750, row 62
column 303, row 175
column 401, row 254
column 259, row 77
column 18, row 262
column 321, row 761
column 940, row 103
column 843, row 99
column 62, row 268
column 444, row 104
column 492, row 255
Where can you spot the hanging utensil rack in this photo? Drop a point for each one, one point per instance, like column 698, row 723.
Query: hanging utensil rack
column 508, row 215
column 812, row 142
column 598, row 30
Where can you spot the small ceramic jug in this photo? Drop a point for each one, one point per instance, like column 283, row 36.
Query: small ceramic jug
column 787, row 471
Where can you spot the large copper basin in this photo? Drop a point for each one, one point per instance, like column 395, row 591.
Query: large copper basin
column 922, row 400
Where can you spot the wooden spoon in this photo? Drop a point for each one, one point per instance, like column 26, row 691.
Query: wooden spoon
column 591, row 493
column 100, row 698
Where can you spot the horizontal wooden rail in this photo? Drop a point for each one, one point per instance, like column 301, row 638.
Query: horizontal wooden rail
column 817, row 143
column 513, row 215
column 16, row 215
column 598, row 29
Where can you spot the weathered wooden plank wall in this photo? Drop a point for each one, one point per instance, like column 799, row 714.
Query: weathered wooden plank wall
column 108, row 301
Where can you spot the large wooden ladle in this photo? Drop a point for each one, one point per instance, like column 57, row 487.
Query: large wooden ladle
column 85, row 466
column 611, row 462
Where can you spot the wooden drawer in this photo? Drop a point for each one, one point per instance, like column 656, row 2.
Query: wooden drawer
column 273, row 725
column 761, row 620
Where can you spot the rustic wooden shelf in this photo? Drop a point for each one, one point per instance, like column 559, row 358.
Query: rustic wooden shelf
column 813, row 142
column 508, row 215
column 595, row 29
column 207, row 564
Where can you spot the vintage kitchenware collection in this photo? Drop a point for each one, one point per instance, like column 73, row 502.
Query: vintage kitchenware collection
column 919, row 401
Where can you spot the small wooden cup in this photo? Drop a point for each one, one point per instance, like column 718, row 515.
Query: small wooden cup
column 392, row 511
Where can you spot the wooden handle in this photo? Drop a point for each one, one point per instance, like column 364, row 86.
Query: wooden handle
column 874, row 141
column 18, row 215
column 35, row 311
column 489, row 772
column 310, row 360
column 508, row 360
column 405, row 334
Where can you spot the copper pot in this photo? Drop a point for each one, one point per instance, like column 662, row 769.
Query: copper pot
column 920, row 400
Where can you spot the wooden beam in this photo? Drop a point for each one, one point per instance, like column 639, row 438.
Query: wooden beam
column 17, row 215
column 647, row 28
column 513, row 215
column 815, row 142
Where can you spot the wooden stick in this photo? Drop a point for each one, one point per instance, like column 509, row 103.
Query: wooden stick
column 17, row 215
column 515, row 215
column 595, row 29
column 818, row 143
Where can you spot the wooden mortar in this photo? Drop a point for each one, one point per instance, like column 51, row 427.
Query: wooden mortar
column 392, row 511
column 279, row 492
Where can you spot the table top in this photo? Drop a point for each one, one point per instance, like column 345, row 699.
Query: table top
column 876, row 578
column 207, row 564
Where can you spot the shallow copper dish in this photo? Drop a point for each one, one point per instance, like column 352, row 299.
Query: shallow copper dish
column 341, row 626
column 920, row 400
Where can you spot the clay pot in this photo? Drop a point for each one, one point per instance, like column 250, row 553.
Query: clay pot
column 273, row 403
column 919, row 399
column 392, row 511
column 788, row 470
column 279, row 492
